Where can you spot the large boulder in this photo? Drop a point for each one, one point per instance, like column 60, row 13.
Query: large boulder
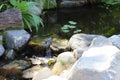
column 100, row 41
column 115, row 39
column 55, row 78
column 16, row 39
column 81, row 40
column 97, row 63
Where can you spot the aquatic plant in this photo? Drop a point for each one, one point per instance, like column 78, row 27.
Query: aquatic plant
column 29, row 18
column 69, row 27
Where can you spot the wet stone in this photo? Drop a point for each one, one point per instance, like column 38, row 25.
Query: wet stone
column 19, row 64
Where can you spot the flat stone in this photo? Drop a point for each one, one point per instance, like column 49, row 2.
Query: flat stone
column 16, row 39
column 18, row 64
column 31, row 72
column 43, row 74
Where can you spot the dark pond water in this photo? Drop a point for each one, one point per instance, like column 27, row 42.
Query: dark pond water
column 90, row 19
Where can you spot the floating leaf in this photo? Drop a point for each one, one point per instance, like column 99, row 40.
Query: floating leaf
column 65, row 31
column 65, row 27
column 77, row 31
column 72, row 22
column 72, row 26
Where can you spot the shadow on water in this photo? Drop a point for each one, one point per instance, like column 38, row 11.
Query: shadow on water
column 90, row 19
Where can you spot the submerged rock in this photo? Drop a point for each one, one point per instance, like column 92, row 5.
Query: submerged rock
column 97, row 63
column 16, row 39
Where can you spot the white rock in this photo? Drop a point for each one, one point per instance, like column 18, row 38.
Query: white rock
column 115, row 39
column 81, row 40
column 16, row 38
column 97, row 63
column 55, row 78
column 66, row 58
column 43, row 74
column 100, row 41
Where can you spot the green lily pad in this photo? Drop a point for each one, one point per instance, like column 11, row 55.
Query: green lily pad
column 72, row 22
column 65, row 31
column 72, row 26
column 65, row 27
column 77, row 31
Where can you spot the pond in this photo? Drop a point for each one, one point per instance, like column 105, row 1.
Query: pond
column 90, row 19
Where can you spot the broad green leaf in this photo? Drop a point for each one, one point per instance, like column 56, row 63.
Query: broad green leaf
column 72, row 22
column 14, row 2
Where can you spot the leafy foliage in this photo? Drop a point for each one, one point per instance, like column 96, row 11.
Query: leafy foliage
column 29, row 18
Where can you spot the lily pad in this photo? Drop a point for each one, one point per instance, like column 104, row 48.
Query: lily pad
column 65, row 27
column 77, row 31
column 72, row 22
column 72, row 26
column 65, row 31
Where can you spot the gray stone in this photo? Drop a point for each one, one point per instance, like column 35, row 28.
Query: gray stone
column 81, row 40
column 36, row 10
column 97, row 63
column 18, row 64
column 100, row 41
column 16, row 39
column 115, row 39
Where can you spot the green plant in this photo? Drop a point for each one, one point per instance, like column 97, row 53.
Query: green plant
column 47, row 4
column 29, row 18
column 69, row 27
column 111, row 2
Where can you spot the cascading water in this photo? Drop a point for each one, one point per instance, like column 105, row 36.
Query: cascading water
column 47, row 44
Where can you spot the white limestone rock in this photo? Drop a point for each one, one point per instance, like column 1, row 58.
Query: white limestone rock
column 115, row 39
column 97, row 63
column 16, row 39
column 55, row 78
column 43, row 74
column 100, row 41
column 81, row 40
column 66, row 58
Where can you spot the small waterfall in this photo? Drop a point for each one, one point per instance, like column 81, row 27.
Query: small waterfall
column 47, row 44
